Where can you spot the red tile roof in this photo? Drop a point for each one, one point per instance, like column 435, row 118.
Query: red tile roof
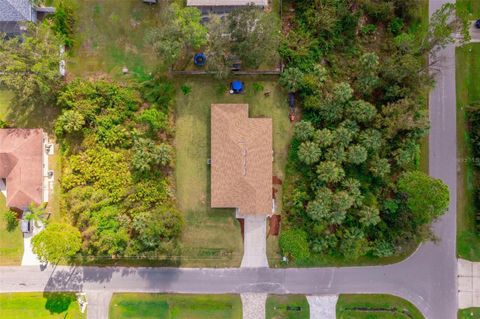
column 241, row 160
column 21, row 164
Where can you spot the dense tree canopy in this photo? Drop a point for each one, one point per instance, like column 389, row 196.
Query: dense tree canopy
column 58, row 241
column 353, row 184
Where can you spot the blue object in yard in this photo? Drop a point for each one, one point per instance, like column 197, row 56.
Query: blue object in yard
column 236, row 87
column 199, row 59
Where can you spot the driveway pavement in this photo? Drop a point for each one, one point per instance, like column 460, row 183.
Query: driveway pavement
column 254, row 243
column 29, row 258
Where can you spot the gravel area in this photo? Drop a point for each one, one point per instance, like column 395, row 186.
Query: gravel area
column 253, row 305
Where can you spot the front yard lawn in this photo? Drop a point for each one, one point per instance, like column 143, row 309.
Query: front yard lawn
column 382, row 307
column 212, row 236
column 146, row 306
column 468, row 92
column 470, row 313
column 287, row 307
column 11, row 242
column 37, row 305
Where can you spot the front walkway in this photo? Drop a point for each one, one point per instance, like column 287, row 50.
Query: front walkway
column 29, row 258
column 254, row 243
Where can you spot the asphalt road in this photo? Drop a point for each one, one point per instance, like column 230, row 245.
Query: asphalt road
column 427, row 278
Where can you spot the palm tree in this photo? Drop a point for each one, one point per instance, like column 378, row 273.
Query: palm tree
column 37, row 214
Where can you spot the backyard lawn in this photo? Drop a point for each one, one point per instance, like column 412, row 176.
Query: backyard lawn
column 37, row 305
column 111, row 35
column 468, row 92
column 375, row 307
column 11, row 241
column 470, row 313
column 212, row 236
column 146, row 306
column 287, row 307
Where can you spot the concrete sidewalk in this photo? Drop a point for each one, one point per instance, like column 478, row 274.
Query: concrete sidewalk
column 323, row 307
column 98, row 304
column 253, row 305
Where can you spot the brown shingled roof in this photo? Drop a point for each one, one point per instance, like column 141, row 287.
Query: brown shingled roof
column 21, row 164
column 241, row 160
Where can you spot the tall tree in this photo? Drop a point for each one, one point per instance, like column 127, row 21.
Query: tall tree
column 255, row 35
column 56, row 242
column 29, row 66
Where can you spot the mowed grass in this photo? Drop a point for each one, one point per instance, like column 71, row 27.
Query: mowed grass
column 470, row 6
column 470, row 313
column 111, row 35
column 382, row 306
column 468, row 92
column 287, row 307
column 146, row 306
column 37, row 305
column 212, row 237
column 11, row 242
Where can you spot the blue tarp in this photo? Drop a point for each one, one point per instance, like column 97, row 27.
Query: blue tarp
column 237, row 86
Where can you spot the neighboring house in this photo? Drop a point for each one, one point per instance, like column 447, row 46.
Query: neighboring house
column 22, row 166
column 13, row 13
column 223, row 6
column 241, row 160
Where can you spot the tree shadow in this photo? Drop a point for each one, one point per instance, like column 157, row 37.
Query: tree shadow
column 58, row 302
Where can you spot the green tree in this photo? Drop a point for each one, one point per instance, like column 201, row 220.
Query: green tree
column 323, row 137
column 155, row 120
column 37, row 214
column 361, row 111
column 309, row 153
column 181, row 30
column 291, row 79
column 379, row 167
column 255, row 35
column 70, row 121
column 357, row 154
column 146, row 154
column 218, row 48
column 58, row 241
column 426, row 197
column 330, row 172
column 304, row 130
column 29, row 66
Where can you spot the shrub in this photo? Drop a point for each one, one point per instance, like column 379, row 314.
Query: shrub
column 185, row 89
column 293, row 243
column 257, row 87
column 64, row 21
column 11, row 219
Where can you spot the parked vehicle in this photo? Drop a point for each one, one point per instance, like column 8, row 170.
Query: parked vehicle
column 477, row 24
column 26, row 225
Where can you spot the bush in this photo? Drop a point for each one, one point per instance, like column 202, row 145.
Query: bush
column 64, row 21
column 185, row 89
column 293, row 243
column 257, row 87
column 11, row 219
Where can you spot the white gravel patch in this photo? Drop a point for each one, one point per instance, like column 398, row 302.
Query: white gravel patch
column 253, row 305
column 322, row 307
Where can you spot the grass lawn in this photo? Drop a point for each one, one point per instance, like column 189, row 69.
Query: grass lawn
column 212, row 236
column 287, row 307
column 467, row 77
column 37, row 305
column 147, row 306
column 470, row 6
column 111, row 35
column 385, row 306
column 11, row 242
column 470, row 313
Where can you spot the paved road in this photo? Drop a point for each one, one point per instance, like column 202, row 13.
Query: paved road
column 428, row 278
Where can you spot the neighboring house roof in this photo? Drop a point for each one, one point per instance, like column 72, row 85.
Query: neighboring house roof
column 21, row 164
column 225, row 3
column 241, row 160
column 16, row 10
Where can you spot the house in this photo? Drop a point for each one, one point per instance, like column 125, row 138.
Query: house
column 241, row 160
column 23, row 167
column 223, row 6
column 13, row 13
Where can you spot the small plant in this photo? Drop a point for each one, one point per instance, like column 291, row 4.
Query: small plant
column 257, row 87
column 369, row 29
column 185, row 89
column 221, row 89
column 11, row 219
